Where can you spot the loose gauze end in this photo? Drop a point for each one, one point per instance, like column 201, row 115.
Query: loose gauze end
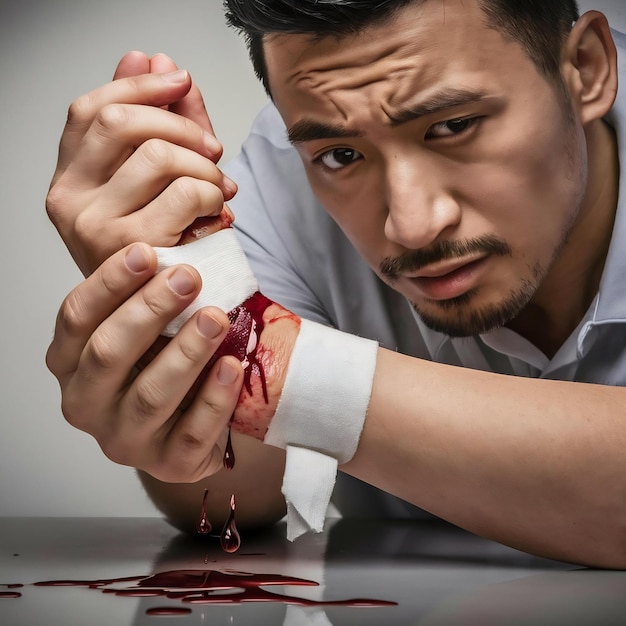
column 319, row 418
column 227, row 279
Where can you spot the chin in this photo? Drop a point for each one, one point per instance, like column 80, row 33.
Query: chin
column 463, row 317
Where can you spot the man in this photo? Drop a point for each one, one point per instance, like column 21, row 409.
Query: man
column 469, row 153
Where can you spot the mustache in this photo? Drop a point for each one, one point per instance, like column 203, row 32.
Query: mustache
column 414, row 260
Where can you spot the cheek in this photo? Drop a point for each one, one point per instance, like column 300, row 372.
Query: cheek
column 529, row 190
column 360, row 213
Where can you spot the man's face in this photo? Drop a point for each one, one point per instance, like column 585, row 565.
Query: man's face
column 442, row 153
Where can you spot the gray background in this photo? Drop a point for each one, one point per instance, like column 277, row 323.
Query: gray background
column 50, row 52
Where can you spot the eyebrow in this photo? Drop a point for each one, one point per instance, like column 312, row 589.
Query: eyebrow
column 310, row 130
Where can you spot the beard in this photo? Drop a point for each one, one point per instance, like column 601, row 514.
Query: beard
column 458, row 317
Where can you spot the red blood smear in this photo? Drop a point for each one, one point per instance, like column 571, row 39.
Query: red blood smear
column 171, row 611
column 9, row 595
column 260, row 595
column 93, row 584
column 215, row 579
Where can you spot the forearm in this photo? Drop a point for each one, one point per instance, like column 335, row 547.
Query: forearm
column 535, row 464
column 255, row 480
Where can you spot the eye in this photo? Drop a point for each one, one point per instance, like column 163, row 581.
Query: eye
column 451, row 128
column 338, row 158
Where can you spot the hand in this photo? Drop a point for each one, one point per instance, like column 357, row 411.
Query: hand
column 137, row 162
column 104, row 327
column 170, row 418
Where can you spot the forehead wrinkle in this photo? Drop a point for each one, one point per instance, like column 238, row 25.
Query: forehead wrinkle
column 308, row 129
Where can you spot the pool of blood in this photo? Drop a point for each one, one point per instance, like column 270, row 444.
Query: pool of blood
column 208, row 587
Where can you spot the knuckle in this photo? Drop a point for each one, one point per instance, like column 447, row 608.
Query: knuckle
column 101, row 351
column 192, row 352
column 210, row 404
column 135, row 83
column 191, row 441
column 154, row 303
column 55, row 200
column 111, row 118
column 97, row 238
column 111, row 279
column 52, row 359
column 117, row 450
column 80, row 110
column 86, row 230
column 156, row 153
column 73, row 412
column 71, row 317
column 179, row 463
column 185, row 192
column 148, row 401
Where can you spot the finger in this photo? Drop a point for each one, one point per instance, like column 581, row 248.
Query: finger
column 160, row 64
column 191, row 105
column 120, row 341
column 119, row 129
column 181, row 204
column 89, row 304
column 188, row 448
column 132, row 64
column 148, row 89
column 150, row 171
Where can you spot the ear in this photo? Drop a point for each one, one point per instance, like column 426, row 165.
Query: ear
column 589, row 66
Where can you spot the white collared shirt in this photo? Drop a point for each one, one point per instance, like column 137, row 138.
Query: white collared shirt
column 303, row 260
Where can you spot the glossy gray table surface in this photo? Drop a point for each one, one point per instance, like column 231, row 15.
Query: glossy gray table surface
column 424, row 572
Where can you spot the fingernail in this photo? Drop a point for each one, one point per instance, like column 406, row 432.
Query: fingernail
column 226, row 373
column 179, row 76
column 230, row 185
column 182, row 282
column 137, row 260
column 212, row 144
column 208, row 326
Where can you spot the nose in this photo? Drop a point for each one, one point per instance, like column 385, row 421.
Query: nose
column 420, row 202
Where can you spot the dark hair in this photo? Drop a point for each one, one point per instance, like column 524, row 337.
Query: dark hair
column 539, row 26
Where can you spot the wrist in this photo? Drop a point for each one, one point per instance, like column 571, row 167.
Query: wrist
column 266, row 371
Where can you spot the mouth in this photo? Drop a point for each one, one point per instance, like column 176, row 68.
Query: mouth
column 446, row 280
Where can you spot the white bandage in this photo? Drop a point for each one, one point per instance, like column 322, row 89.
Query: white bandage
column 227, row 279
column 319, row 418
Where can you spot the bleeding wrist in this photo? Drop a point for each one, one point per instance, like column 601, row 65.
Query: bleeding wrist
column 259, row 397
